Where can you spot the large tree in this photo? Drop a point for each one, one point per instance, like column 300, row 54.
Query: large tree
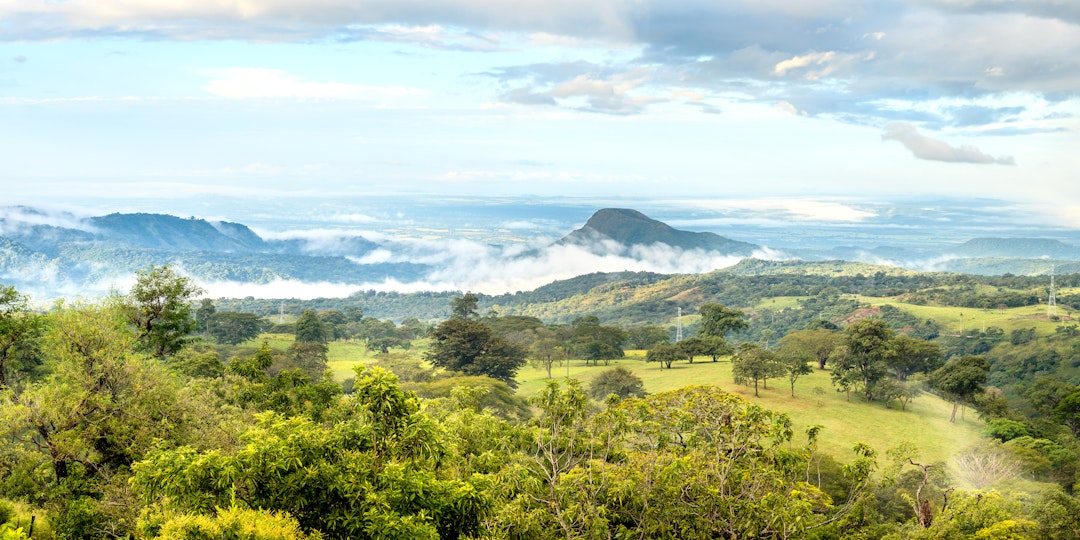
column 644, row 337
column 233, row 328
column 907, row 355
column 159, row 306
column 469, row 346
column 665, row 354
column 960, row 380
column 718, row 320
column 818, row 342
column 464, row 307
column 311, row 329
column 594, row 341
column 753, row 363
column 863, row 365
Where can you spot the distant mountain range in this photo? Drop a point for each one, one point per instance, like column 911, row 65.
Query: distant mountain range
column 52, row 255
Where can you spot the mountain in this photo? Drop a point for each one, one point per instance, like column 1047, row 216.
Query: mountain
column 632, row 228
column 1017, row 248
column 46, row 254
column 159, row 231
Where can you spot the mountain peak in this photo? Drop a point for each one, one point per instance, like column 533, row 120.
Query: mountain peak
column 630, row 227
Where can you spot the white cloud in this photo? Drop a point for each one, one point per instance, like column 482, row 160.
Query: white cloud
column 928, row 148
column 279, row 288
column 782, row 209
column 261, row 83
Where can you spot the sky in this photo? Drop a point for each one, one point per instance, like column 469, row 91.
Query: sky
column 105, row 102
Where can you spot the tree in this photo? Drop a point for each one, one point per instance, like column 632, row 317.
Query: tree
column 310, row 328
column 594, row 341
column 372, row 473
column 308, row 357
column 159, row 306
column 19, row 332
column 717, row 320
column 464, row 307
column 381, row 336
column 820, row 343
column 664, row 353
column 619, row 381
column 101, row 408
column 714, row 347
column 863, row 363
column 711, row 346
column 546, row 352
column 233, row 328
column 335, row 321
column 644, row 337
column 1067, row 411
column 204, row 313
column 691, row 347
column 470, row 347
column 753, row 363
column 794, row 364
column 959, row 380
column 907, row 355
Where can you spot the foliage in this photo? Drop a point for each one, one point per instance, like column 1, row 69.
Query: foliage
column 100, row 409
column 196, row 363
column 717, row 320
column 862, row 363
column 960, row 380
column 371, row 474
column 695, row 462
column 644, row 337
column 159, row 307
column 469, row 346
column 19, row 332
column 231, row 523
column 620, row 382
column 817, row 343
column 753, row 363
column 310, row 329
column 232, row 328
column 665, row 354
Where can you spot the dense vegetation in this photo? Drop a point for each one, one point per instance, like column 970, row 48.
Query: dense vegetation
column 152, row 415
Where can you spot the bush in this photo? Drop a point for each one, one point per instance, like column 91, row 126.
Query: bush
column 1004, row 429
column 234, row 523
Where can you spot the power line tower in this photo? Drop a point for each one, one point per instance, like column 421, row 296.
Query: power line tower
column 678, row 328
column 1051, row 301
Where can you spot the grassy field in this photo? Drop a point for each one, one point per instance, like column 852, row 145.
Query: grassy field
column 952, row 318
column 925, row 423
column 847, row 421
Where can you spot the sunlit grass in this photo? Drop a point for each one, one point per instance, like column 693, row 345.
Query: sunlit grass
column 847, row 419
column 952, row 319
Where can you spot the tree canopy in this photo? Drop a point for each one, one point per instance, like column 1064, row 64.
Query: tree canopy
column 159, row 306
column 469, row 346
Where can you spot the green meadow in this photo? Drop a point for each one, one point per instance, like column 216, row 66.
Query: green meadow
column 847, row 419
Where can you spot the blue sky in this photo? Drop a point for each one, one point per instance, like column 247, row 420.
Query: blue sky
column 817, row 101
